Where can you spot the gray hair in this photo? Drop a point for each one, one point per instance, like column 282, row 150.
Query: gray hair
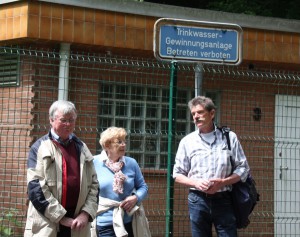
column 66, row 107
column 206, row 102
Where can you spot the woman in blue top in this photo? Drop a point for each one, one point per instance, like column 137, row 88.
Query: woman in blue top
column 120, row 179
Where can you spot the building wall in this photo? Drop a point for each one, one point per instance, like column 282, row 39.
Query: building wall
column 110, row 30
column 39, row 27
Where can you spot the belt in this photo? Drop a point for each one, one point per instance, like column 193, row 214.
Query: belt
column 216, row 195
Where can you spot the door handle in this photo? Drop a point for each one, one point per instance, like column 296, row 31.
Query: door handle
column 281, row 169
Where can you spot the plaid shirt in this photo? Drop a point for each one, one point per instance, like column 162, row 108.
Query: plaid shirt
column 198, row 159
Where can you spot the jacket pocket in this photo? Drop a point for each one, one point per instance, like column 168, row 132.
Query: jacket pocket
column 41, row 226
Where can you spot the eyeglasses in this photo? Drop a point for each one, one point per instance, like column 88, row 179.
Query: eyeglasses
column 120, row 142
column 65, row 121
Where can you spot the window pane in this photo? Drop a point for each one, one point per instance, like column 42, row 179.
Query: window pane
column 121, row 108
column 165, row 96
column 165, row 112
column 164, row 144
column 180, row 128
column 136, row 142
column 152, row 94
column 121, row 92
column 163, row 161
column 121, row 123
column 151, row 127
column 181, row 112
column 106, row 107
column 182, row 97
column 215, row 98
column 151, row 111
column 177, row 141
column 106, row 91
column 192, row 127
column 137, row 93
column 137, row 157
column 105, row 123
column 150, row 144
column 150, row 161
column 211, row 95
column 136, row 126
column 137, row 110
column 164, row 127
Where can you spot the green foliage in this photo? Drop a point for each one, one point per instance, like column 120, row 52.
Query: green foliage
column 254, row 7
column 293, row 10
column 8, row 221
column 289, row 9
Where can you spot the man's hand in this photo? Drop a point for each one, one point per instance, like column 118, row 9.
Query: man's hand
column 66, row 221
column 216, row 184
column 80, row 221
column 203, row 184
column 220, row 183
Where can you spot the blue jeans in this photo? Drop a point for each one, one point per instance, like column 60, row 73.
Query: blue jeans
column 206, row 211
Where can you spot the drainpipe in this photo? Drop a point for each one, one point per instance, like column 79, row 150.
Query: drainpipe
column 63, row 84
column 198, row 79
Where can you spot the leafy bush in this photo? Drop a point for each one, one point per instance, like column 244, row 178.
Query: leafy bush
column 8, row 221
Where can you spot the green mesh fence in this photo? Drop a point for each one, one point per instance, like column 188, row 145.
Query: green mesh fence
column 261, row 104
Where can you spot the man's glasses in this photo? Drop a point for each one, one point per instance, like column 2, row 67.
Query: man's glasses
column 65, row 121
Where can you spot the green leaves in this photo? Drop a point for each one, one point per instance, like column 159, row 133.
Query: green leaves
column 8, row 221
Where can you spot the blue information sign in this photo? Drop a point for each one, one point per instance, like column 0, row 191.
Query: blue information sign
column 203, row 41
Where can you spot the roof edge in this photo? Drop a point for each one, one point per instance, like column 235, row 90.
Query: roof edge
column 168, row 11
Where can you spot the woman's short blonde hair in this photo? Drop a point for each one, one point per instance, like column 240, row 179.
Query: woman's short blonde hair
column 111, row 134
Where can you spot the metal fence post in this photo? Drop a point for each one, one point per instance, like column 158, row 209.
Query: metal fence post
column 171, row 141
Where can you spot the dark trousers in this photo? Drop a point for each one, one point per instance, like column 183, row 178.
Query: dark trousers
column 108, row 231
column 63, row 230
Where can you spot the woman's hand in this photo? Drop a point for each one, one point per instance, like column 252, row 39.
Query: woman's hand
column 129, row 202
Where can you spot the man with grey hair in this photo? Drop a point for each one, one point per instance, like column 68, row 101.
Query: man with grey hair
column 203, row 164
column 61, row 179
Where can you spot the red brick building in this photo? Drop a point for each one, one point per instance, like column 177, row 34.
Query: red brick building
column 99, row 54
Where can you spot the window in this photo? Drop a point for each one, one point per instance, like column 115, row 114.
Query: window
column 143, row 111
column 9, row 69
column 215, row 96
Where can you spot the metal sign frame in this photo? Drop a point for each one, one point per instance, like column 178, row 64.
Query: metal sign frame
column 197, row 41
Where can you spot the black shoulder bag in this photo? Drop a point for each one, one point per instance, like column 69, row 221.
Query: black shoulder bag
column 244, row 194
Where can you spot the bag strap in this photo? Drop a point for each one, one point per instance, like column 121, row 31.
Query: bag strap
column 225, row 132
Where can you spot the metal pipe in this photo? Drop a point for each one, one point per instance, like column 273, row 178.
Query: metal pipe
column 171, row 146
column 63, row 84
column 198, row 79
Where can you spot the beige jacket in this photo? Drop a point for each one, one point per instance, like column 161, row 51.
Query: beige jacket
column 47, row 173
column 140, row 223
